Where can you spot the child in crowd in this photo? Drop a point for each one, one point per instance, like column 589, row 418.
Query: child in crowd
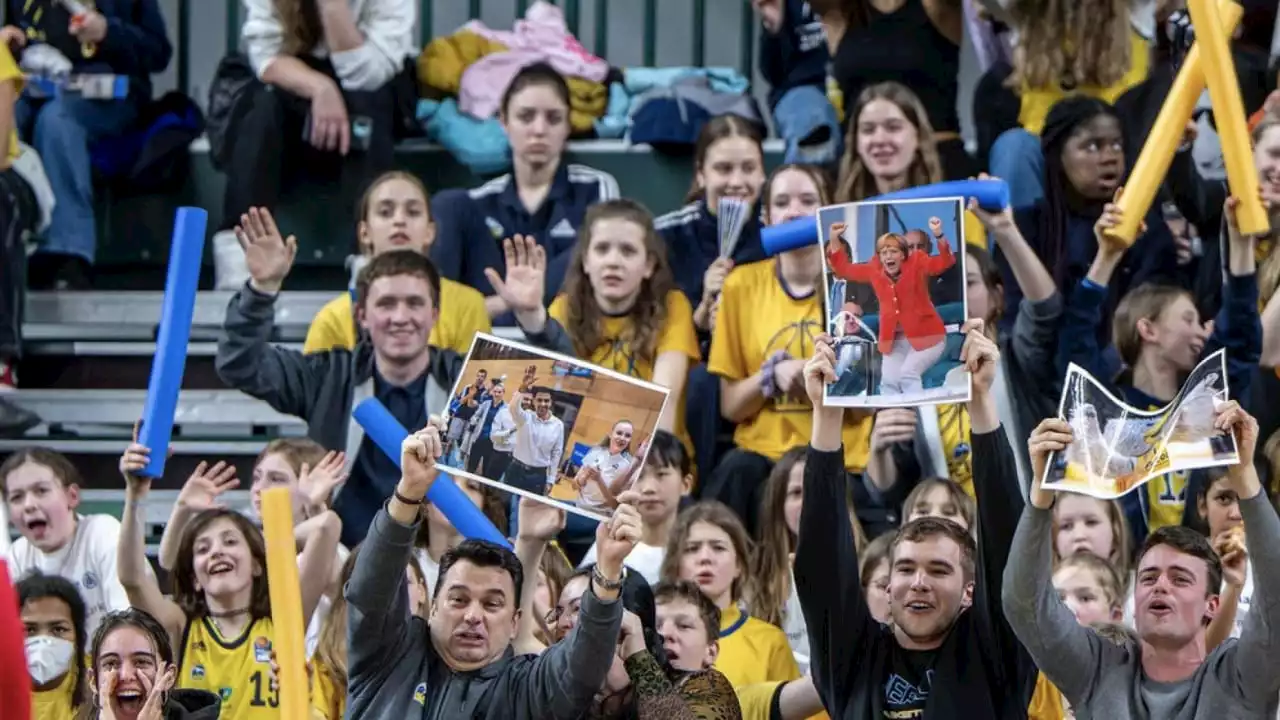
column 710, row 547
column 42, row 492
column 1160, row 337
column 942, row 498
column 667, row 477
column 299, row 464
column 53, row 614
column 220, row 611
column 437, row 535
column 775, row 598
column 874, row 576
column 1218, row 507
column 395, row 213
column 728, row 162
column 620, row 307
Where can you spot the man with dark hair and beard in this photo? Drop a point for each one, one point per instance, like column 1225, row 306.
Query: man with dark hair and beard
column 948, row 652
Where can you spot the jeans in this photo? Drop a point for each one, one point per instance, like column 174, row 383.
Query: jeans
column 1017, row 159
column 61, row 130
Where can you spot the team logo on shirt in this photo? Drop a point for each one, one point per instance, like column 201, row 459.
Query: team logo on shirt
column 225, row 694
column 197, row 672
column 563, row 229
column 261, row 649
column 90, row 580
column 420, row 694
column 495, row 228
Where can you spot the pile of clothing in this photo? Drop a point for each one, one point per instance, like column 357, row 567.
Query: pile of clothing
column 464, row 75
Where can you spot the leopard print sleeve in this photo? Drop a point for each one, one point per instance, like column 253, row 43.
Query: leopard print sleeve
column 705, row 695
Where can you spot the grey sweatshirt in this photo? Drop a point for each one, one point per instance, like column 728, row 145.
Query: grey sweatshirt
column 1101, row 680
column 395, row 673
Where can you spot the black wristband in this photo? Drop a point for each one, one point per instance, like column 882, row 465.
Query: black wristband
column 404, row 499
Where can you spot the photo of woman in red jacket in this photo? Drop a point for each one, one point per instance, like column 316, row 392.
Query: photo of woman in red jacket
column 905, row 328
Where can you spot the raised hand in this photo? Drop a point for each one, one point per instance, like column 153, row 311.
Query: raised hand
column 892, row 426
column 820, row 370
column 935, row 226
column 1233, row 419
column 267, row 254
column 1231, row 549
column 980, row 355
column 1050, row 436
column 133, row 461
column 835, row 236
column 539, row 521
column 525, row 282
column 617, row 536
column 206, row 484
column 1111, row 217
column 316, row 484
column 419, row 454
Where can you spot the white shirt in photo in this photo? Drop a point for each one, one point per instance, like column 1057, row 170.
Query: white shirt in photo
column 88, row 560
column 540, row 443
column 610, row 467
column 503, row 431
column 644, row 559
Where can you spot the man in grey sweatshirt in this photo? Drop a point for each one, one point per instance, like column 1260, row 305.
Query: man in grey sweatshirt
column 1167, row 673
column 459, row 663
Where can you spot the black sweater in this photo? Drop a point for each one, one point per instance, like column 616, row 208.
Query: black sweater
column 980, row 671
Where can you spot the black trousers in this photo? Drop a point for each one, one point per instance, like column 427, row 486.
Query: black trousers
column 269, row 156
column 481, row 449
column 19, row 214
column 526, row 477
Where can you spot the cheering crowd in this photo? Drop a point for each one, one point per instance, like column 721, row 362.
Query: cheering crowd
column 773, row 557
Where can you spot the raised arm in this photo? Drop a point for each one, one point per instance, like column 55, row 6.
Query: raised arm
column 564, row 679
column 199, row 493
column 1077, row 339
column 538, row 523
column 828, row 582
column 1237, row 327
column 131, row 556
column 1071, row 655
column 377, row 599
column 319, row 536
column 1258, row 649
column 247, row 361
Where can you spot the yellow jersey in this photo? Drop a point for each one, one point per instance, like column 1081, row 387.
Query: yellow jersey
column 58, row 702
column 753, row 651
column 237, row 670
column 953, row 425
column 615, row 352
column 328, row 701
column 9, row 72
column 1036, row 102
column 758, row 317
column 1047, row 702
column 462, row 315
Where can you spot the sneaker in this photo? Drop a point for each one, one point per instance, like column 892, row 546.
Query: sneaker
column 230, row 271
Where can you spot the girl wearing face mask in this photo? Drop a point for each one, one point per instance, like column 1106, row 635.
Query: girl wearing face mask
column 329, row 670
column 775, row 599
column 641, row 682
column 54, row 616
column 543, row 197
column 304, row 467
column 395, row 213
column 620, row 307
column 728, row 163
column 710, row 547
column 220, row 613
column 132, row 673
column 769, row 314
column 1160, row 337
column 42, row 492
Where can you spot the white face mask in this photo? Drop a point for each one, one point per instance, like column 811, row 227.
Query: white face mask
column 48, row 658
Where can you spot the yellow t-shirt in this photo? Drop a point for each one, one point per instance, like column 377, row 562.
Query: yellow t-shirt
column 1046, row 702
column 1036, row 102
column 328, row 701
column 237, row 670
column 753, row 651
column 758, row 318
column 9, row 72
column 756, row 701
column 56, row 703
column 953, row 425
column 677, row 336
column 462, row 315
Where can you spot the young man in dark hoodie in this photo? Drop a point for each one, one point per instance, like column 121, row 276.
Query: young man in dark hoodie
column 397, row 305
column 459, row 662
column 949, row 652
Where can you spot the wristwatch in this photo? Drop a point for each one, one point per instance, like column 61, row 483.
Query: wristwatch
column 605, row 583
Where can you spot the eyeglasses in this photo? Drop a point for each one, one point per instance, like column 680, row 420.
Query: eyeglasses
column 553, row 617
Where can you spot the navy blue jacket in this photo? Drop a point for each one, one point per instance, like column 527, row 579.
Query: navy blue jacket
column 137, row 43
column 797, row 55
column 693, row 243
column 471, row 225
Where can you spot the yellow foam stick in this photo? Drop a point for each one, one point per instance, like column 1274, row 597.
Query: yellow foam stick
column 286, row 602
column 1229, row 117
column 1166, row 134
